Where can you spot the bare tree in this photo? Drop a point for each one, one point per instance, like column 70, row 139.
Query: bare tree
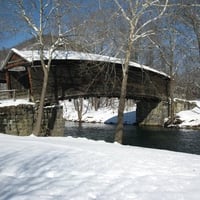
column 39, row 19
column 188, row 13
column 178, row 51
column 78, row 105
column 135, row 14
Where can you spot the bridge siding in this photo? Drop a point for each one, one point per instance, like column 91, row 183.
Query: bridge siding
column 70, row 80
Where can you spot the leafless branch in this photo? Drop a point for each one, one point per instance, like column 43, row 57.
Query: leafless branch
column 154, row 19
column 25, row 16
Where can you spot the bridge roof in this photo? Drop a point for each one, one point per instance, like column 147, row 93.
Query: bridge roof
column 34, row 55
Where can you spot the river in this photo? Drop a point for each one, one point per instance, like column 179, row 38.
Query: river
column 180, row 140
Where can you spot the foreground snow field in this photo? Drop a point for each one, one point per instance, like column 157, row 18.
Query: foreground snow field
column 80, row 169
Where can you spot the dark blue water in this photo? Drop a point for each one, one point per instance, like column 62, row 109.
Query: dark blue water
column 187, row 141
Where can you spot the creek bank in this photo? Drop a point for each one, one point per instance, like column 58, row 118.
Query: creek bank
column 187, row 115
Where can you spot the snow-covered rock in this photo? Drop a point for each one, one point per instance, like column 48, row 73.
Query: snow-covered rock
column 188, row 118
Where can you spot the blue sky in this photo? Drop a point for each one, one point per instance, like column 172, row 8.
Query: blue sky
column 12, row 31
column 14, row 40
column 8, row 22
column 7, row 13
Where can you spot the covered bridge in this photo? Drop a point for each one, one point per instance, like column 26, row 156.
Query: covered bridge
column 75, row 74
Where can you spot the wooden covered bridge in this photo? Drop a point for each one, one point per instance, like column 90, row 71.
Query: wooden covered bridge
column 75, row 74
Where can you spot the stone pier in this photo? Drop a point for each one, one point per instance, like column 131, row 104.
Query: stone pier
column 151, row 112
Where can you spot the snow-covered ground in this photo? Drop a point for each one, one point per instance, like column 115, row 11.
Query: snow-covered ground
column 189, row 118
column 80, row 169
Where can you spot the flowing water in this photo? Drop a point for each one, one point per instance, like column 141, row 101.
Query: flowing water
column 152, row 137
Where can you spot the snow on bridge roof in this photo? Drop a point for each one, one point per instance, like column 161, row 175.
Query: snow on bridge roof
column 34, row 55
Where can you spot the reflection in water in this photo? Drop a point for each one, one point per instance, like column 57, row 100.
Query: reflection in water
column 151, row 137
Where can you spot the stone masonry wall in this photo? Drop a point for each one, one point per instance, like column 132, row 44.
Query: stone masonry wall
column 154, row 113
column 19, row 120
column 182, row 104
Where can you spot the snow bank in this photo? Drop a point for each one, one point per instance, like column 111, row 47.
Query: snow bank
column 79, row 169
column 11, row 102
column 189, row 118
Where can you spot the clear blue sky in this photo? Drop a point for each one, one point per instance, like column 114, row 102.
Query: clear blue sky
column 14, row 40
column 8, row 21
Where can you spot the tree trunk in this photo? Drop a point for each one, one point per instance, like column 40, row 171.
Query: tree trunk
column 78, row 104
column 121, row 106
column 171, row 98
column 38, row 123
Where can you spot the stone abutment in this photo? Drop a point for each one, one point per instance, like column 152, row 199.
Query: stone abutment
column 151, row 112
column 19, row 120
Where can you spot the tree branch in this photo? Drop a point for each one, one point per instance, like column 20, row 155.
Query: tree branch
column 25, row 16
column 122, row 11
column 154, row 19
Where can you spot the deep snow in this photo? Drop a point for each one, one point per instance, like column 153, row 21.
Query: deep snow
column 80, row 169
